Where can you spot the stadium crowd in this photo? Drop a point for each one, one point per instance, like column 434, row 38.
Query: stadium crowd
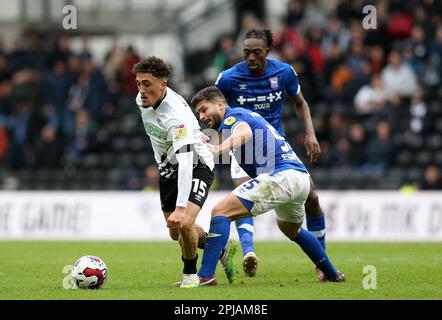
column 374, row 96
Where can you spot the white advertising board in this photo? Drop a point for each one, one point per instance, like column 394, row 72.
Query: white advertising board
column 350, row 216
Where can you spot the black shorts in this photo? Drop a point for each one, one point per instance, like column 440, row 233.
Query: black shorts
column 201, row 182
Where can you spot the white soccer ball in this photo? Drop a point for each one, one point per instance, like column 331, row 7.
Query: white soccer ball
column 89, row 272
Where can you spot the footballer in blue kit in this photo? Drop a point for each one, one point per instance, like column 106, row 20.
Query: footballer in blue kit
column 258, row 84
column 262, row 92
column 268, row 152
column 279, row 182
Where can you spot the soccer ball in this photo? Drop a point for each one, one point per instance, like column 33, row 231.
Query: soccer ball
column 89, row 272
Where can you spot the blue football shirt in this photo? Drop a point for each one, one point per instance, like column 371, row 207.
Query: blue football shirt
column 267, row 151
column 260, row 93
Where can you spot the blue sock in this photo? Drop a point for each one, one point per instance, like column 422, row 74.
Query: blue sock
column 216, row 241
column 315, row 252
column 316, row 225
column 245, row 231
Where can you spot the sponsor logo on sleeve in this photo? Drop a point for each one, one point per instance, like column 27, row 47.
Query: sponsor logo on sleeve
column 181, row 132
column 230, row 120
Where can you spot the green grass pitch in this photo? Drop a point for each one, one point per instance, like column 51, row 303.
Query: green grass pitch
column 146, row 270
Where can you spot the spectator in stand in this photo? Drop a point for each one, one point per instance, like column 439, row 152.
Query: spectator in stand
column 113, row 63
column 98, row 98
column 350, row 9
column 333, row 60
column 303, row 66
column 85, row 53
column 338, row 127
column 395, row 113
column 336, row 32
column 6, row 104
column 376, row 58
column 48, row 149
column 225, row 55
column 379, row 150
column 84, row 135
column 315, row 13
column 4, row 142
column 61, row 49
column 339, row 153
column 436, row 51
column 128, row 84
column 419, row 120
column 358, row 62
column 151, row 178
column 398, row 76
column 295, row 13
column 431, row 180
column 370, row 98
column 290, row 35
column 55, row 93
column 244, row 8
column 400, row 23
column 357, row 146
column 340, row 79
column 313, row 47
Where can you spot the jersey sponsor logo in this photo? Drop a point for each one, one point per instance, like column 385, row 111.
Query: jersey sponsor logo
column 271, row 97
column 152, row 130
column 243, row 86
column 274, row 83
column 181, row 132
column 229, row 120
column 161, row 124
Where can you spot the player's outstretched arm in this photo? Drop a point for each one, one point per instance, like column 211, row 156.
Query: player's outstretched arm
column 303, row 111
column 241, row 134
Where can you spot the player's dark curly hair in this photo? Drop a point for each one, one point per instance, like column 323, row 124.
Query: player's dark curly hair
column 265, row 35
column 153, row 65
column 210, row 94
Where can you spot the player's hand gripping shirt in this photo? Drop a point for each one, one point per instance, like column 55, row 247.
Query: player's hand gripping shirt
column 267, row 151
column 172, row 128
column 262, row 93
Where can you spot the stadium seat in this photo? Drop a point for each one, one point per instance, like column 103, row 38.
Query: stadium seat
column 120, row 144
column 404, row 158
column 106, row 160
column 415, row 142
column 423, row 158
column 413, row 174
column 438, row 158
column 137, row 144
column 433, row 142
column 438, row 126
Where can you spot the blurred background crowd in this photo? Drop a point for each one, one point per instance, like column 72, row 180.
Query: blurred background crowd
column 68, row 122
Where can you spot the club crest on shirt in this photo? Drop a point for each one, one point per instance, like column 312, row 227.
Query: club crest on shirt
column 274, row 83
column 181, row 132
column 229, row 120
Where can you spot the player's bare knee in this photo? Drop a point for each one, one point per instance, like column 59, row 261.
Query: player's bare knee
column 186, row 227
column 174, row 234
column 289, row 229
